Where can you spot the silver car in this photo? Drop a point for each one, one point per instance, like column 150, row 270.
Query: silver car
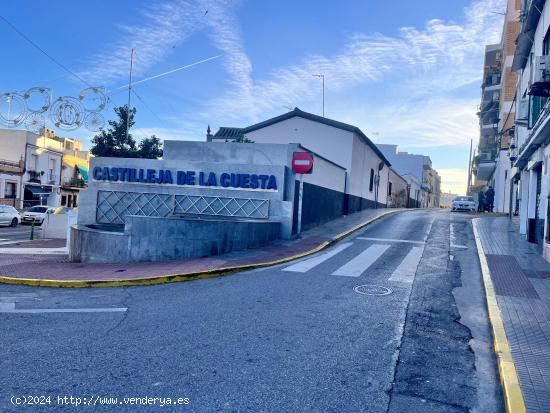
column 9, row 216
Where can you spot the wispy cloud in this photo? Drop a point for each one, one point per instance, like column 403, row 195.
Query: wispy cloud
column 427, row 64
column 161, row 27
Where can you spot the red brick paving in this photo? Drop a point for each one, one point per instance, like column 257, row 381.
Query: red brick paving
column 57, row 267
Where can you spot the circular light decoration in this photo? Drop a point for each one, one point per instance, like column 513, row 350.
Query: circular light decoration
column 94, row 122
column 93, row 99
column 38, row 99
column 66, row 113
column 13, row 109
column 35, row 122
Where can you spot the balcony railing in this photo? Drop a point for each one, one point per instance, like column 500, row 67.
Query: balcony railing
column 74, row 182
column 35, row 176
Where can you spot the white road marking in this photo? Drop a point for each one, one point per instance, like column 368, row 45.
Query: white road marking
column 391, row 240
column 464, row 247
column 362, row 262
column 308, row 264
column 38, row 251
column 429, row 229
column 4, row 309
column 407, row 268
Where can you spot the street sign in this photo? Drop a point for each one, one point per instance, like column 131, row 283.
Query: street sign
column 302, row 163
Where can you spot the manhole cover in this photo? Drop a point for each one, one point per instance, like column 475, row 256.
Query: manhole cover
column 372, row 290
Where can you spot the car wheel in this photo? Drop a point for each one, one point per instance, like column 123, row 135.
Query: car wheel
column 13, row 222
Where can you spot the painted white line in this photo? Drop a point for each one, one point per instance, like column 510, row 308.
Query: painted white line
column 38, row 251
column 429, row 230
column 392, row 240
column 464, row 247
column 7, row 306
column 61, row 310
column 362, row 262
column 308, row 264
column 407, row 269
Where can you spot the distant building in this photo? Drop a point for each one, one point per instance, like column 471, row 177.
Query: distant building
column 33, row 170
column 419, row 166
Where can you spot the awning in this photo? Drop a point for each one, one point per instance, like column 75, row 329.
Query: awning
column 37, row 190
column 83, row 172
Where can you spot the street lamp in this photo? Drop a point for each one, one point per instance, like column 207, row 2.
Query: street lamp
column 322, row 77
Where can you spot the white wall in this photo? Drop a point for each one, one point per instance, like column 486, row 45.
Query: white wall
column 326, row 175
column 337, row 145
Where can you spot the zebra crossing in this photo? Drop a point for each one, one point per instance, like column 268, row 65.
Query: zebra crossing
column 361, row 262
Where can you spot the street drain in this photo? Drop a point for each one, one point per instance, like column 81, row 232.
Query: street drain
column 372, row 290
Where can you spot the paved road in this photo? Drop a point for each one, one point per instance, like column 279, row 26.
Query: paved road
column 292, row 338
column 11, row 234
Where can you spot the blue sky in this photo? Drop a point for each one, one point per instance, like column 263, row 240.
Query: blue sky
column 404, row 72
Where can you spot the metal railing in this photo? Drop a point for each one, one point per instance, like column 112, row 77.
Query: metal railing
column 114, row 206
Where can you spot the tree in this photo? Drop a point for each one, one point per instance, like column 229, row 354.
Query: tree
column 114, row 142
column 150, row 148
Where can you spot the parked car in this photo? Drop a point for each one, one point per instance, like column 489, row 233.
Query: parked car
column 464, row 203
column 9, row 216
column 36, row 214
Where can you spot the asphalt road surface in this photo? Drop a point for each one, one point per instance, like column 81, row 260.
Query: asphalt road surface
column 10, row 234
column 299, row 337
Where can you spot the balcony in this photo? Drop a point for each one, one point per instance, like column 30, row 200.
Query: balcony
column 74, row 183
column 35, row 176
column 484, row 165
column 10, row 167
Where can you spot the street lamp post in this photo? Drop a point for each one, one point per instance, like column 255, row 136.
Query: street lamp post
column 322, row 77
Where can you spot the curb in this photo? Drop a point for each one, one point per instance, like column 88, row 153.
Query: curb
column 513, row 396
column 170, row 278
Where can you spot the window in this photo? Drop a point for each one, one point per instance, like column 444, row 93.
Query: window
column 546, row 44
column 34, row 163
column 371, row 181
column 389, row 188
column 10, row 190
column 64, row 200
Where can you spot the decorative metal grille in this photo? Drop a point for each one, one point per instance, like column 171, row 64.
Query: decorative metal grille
column 114, row 206
column 224, row 206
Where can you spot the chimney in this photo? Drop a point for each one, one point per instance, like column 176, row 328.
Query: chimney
column 208, row 134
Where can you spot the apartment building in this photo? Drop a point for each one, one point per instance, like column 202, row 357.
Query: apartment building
column 36, row 169
column 484, row 163
column 529, row 149
column 501, row 178
column 419, row 166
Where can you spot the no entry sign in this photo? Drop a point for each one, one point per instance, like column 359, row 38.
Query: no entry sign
column 302, row 163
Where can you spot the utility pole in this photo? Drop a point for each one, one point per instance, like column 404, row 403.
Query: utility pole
column 322, row 77
column 469, row 169
column 129, row 94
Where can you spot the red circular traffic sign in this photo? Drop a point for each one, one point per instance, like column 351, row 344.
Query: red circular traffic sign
column 302, row 162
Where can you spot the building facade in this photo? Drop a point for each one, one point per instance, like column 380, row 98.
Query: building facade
column 34, row 168
column 367, row 169
column 484, row 162
column 529, row 149
column 420, row 167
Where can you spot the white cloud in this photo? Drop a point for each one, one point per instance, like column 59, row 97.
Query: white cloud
column 430, row 62
column 161, row 27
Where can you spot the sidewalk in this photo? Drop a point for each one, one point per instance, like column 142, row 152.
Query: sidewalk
column 521, row 282
column 27, row 268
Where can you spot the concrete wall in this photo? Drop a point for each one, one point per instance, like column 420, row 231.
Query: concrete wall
column 159, row 239
column 229, row 158
column 397, row 198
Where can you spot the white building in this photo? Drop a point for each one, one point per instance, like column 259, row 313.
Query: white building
column 530, row 151
column 36, row 168
column 367, row 169
column 419, row 166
